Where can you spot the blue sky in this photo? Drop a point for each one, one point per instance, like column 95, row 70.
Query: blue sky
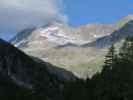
column 96, row 11
column 20, row 14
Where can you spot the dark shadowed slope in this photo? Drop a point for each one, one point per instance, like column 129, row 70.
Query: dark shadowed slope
column 31, row 73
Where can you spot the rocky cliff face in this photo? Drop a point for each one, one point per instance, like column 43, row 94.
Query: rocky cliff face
column 115, row 37
column 30, row 73
column 79, row 50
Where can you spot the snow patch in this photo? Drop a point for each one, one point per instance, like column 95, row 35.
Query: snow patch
column 54, row 34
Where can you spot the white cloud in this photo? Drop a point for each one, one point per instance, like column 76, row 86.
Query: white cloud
column 16, row 15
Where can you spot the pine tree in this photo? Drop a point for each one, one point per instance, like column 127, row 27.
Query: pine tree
column 110, row 57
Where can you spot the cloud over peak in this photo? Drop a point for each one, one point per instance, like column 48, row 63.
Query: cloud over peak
column 16, row 15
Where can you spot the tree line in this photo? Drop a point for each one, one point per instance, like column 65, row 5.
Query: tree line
column 115, row 82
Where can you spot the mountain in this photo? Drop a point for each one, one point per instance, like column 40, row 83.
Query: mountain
column 118, row 35
column 20, row 71
column 80, row 50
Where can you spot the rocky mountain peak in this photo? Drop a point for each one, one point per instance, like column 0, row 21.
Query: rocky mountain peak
column 74, row 46
column 123, row 21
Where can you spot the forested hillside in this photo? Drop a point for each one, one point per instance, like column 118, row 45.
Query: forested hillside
column 115, row 82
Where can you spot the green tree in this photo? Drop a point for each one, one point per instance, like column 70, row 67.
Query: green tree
column 110, row 57
column 116, row 83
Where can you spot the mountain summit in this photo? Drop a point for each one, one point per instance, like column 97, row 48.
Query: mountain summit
column 71, row 47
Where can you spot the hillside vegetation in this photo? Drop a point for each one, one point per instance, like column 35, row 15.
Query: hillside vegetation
column 115, row 82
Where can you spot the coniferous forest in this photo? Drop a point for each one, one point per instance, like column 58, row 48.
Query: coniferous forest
column 115, row 82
